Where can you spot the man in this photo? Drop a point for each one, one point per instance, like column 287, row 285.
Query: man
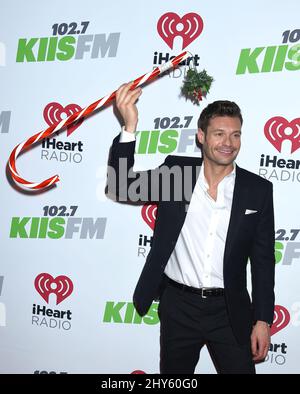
column 201, row 244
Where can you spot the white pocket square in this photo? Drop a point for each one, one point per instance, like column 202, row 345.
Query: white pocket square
column 250, row 211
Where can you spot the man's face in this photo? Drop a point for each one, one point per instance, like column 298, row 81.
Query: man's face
column 222, row 141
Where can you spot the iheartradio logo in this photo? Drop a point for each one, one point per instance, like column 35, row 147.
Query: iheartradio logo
column 282, row 318
column 149, row 212
column 279, row 129
column 55, row 112
column 61, row 286
column 189, row 27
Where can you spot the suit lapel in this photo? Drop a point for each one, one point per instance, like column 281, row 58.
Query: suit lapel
column 239, row 195
column 181, row 207
column 196, row 166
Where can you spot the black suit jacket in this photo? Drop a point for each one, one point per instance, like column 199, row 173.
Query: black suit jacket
column 249, row 236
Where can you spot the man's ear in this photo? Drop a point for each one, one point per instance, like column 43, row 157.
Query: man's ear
column 201, row 136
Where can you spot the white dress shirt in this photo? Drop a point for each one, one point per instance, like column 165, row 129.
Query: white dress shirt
column 126, row 136
column 197, row 259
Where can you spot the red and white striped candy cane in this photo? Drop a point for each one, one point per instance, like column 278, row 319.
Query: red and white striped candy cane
column 73, row 118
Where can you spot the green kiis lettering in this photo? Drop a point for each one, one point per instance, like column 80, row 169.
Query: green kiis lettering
column 154, row 141
column 268, row 59
column 280, row 58
column 278, row 251
column 56, row 226
column 25, row 52
column 143, row 142
column 52, row 49
column 37, row 227
column 46, row 49
column 247, row 60
column 67, row 47
column 34, row 228
column 168, row 140
column 17, row 228
column 116, row 313
column 112, row 312
column 294, row 55
column 129, row 313
column 154, row 138
column 43, row 228
column 41, row 56
column 152, row 316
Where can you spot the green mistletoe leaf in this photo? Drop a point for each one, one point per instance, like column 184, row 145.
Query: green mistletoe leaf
column 196, row 85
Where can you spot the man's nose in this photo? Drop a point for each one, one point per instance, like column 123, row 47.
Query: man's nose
column 227, row 140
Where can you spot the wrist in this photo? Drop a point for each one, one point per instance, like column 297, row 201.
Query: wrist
column 130, row 128
column 262, row 323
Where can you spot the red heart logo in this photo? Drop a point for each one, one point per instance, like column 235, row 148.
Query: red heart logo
column 189, row 27
column 138, row 372
column 278, row 129
column 45, row 284
column 149, row 214
column 55, row 112
column 281, row 319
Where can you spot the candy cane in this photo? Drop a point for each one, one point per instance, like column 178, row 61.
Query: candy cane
column 74, row 118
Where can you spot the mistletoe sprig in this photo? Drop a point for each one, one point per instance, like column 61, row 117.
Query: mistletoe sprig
column 196, row 85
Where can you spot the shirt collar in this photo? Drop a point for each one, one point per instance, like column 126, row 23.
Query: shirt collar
column 203, row 181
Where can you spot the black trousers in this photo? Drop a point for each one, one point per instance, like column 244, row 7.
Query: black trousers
column 187, row 323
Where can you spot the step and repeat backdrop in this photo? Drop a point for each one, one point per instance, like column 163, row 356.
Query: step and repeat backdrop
column 70, row 257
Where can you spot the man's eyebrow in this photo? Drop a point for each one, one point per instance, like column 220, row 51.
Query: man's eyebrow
column 236, row 131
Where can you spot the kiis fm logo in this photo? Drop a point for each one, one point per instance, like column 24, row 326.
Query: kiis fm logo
column 278, row 130
column 62, row 287
column 68, row 41
column 278, row 351
column 58, row 222
column 167, row 136
column 273, row 58
column 58, row 150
